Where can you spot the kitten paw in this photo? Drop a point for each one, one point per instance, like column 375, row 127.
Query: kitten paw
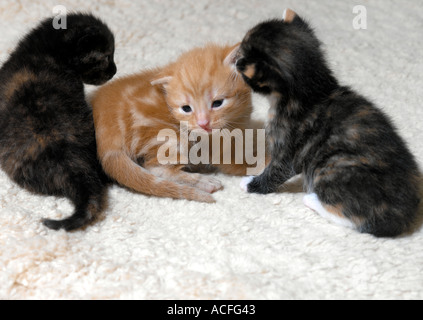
column 209, row 185
column 256, row 185
column 311, row 201
column 245, row 182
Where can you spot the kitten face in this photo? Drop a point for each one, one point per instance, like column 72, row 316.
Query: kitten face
column 204, row 90
column 257, row 62
column 274, row 54
column 91, row 48
column 96, row 58
column 256, row 73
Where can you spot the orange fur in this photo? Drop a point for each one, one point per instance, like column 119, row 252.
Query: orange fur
column 130, row 112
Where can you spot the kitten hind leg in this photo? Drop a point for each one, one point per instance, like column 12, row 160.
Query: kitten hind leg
column 330, row 213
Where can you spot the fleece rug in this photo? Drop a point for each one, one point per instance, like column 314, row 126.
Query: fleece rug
column 244, row 246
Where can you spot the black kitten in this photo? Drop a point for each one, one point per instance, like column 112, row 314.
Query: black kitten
column 47, row 139
column 357, row 170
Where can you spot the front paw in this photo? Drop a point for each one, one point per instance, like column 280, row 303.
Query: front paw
column 254, row 185
column 209, row 184
column 245, row 182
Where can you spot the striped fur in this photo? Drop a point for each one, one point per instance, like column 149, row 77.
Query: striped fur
column 129, row 114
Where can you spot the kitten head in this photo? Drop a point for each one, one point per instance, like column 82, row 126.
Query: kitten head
column 203, row 88
column 93, row 48
column 279, row 56
column 86, row 45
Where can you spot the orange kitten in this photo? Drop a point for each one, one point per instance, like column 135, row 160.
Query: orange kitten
column 201, row 88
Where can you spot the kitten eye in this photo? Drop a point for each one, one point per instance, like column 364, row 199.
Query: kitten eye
column 186, row 109
column 217, row 104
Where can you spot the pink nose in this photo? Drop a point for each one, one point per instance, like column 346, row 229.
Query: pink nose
column 204, row 123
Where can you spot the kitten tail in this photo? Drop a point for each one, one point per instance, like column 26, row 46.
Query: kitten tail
column 76, row 221
column 88, row 202
column 127, row 173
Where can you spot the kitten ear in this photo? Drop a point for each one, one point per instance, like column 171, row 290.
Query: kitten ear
column 162, row 81
column 231, row 58
column 288, row 15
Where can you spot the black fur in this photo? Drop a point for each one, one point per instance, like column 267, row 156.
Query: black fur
column 47, row 139
column 347, row 149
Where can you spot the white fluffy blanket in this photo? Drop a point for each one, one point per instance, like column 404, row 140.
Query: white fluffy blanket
column 244, row 246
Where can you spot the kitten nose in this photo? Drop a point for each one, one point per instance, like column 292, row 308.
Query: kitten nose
column 204, row 123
